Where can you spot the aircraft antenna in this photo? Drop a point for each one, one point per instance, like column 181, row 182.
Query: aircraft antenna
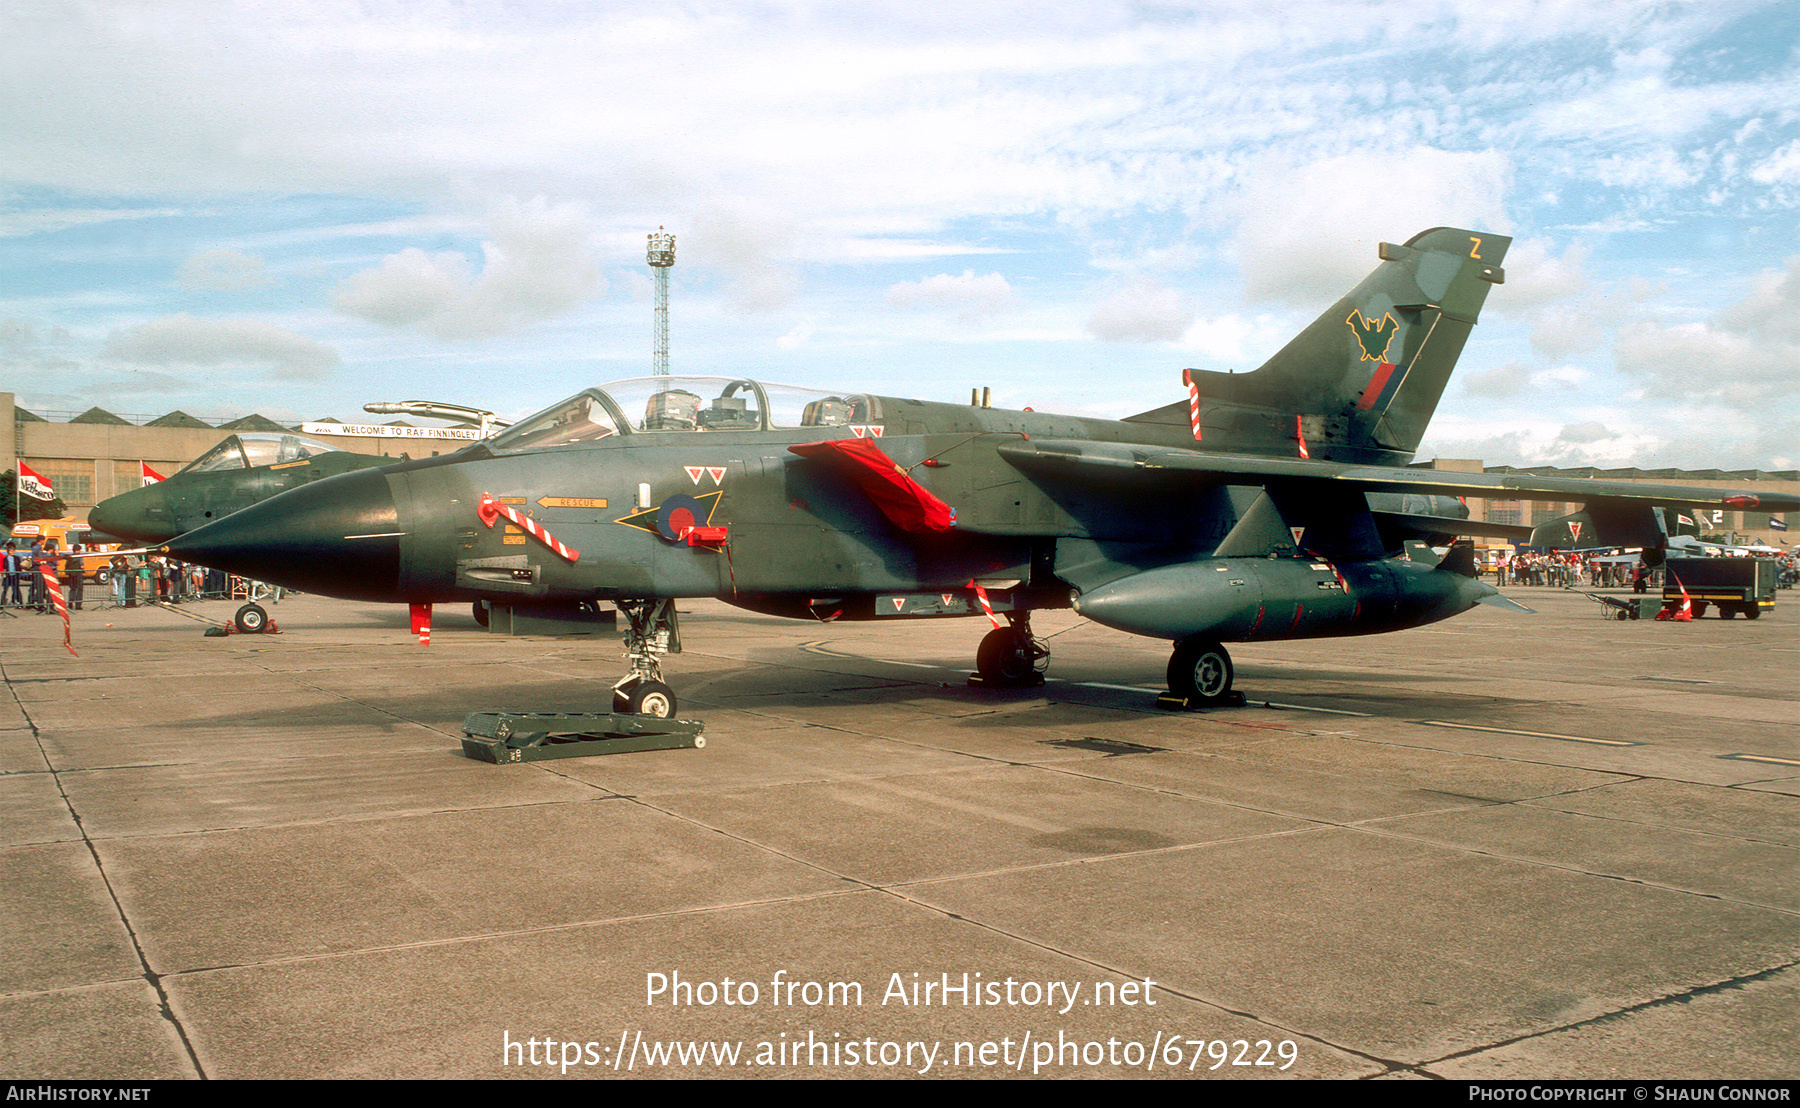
column 661, row 258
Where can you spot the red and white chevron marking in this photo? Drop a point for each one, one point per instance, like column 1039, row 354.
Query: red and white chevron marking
column 490, row 509
column 1187, row 375
column 981, row 595
column 53, row 587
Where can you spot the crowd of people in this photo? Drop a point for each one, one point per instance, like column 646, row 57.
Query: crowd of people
column 128, row 578
column 1557, row 570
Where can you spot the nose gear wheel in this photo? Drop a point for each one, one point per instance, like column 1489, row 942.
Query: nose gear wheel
column 1011, row 657
column 652, row 631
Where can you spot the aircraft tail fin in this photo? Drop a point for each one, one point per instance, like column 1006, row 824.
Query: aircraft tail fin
column 1361, row 382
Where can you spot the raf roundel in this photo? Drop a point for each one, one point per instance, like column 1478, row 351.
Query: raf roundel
column 679, row 515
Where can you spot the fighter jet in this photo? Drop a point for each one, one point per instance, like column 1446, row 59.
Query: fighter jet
column 1275, row 504
column 242, row 470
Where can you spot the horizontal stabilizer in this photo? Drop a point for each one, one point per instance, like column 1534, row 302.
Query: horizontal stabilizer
column 1495, row 600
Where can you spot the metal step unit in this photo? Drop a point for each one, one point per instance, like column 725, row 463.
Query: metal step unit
column 506, row 738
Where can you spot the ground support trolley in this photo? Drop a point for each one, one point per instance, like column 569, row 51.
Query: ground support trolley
column 1631, row 607
column 505, row 738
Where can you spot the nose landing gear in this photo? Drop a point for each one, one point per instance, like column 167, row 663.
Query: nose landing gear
column 653, row 632
column 1011, row 657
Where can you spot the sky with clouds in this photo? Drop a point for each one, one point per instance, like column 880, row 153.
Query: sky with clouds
column 299, row 208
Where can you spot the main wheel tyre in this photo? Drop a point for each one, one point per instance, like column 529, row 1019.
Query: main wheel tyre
column 651, row 698
column 481, row 612
column 1752, row 611
column 1726, row 611
column 1200, row 669
column 1000, row 661
column 251, row 619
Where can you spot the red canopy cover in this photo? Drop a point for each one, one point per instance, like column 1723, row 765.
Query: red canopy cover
column 907, row 504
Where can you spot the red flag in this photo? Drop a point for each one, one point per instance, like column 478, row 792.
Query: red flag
column 1300, row 434
column 150, row 476
column 33, row 485
column 54, row 589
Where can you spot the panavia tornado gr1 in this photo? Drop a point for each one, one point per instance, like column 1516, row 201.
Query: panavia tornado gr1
column 1276, row 504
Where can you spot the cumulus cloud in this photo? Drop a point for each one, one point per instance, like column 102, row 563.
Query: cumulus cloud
column 796, row 143
column 1772, row 310
column 1231, row 338
column 1568, row 330
column 225, row 270
column 18, row 335
column 1534, row 442
column 1744, row 357
column 1500, row 382
column 1590, row 431
column 764, row 288
column 1518, row 378
column 1690, row 360
column 1143, row 312
column 1536, row 277
column 407, row 288
column 1306, row 234
column 539, row 264
column 796, row 338
column 183, row 340
column 1780, row 174
column 967, row 297
column 752, row 247
column 31, row 352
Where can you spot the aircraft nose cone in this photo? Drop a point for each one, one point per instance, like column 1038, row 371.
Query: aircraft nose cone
column 339, row 537
column 127, row 516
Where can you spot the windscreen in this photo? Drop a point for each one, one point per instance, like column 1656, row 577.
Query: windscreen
column 583, row 417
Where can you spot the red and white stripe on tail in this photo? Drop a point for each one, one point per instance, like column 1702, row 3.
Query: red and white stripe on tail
column 1187, row 375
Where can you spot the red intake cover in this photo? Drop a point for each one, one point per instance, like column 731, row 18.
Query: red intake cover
column 907, row 504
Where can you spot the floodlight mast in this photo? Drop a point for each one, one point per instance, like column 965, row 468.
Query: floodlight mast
column 661, row 258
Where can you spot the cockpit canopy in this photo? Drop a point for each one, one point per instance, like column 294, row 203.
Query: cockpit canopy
column 251, row 449
column 648, row 404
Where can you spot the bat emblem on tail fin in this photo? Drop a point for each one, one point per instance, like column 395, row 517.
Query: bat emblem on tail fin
column 1375, row 336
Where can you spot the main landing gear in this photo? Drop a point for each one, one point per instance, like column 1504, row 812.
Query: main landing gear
column 1200, row 676
column 653, row 633
column 1010, row 657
